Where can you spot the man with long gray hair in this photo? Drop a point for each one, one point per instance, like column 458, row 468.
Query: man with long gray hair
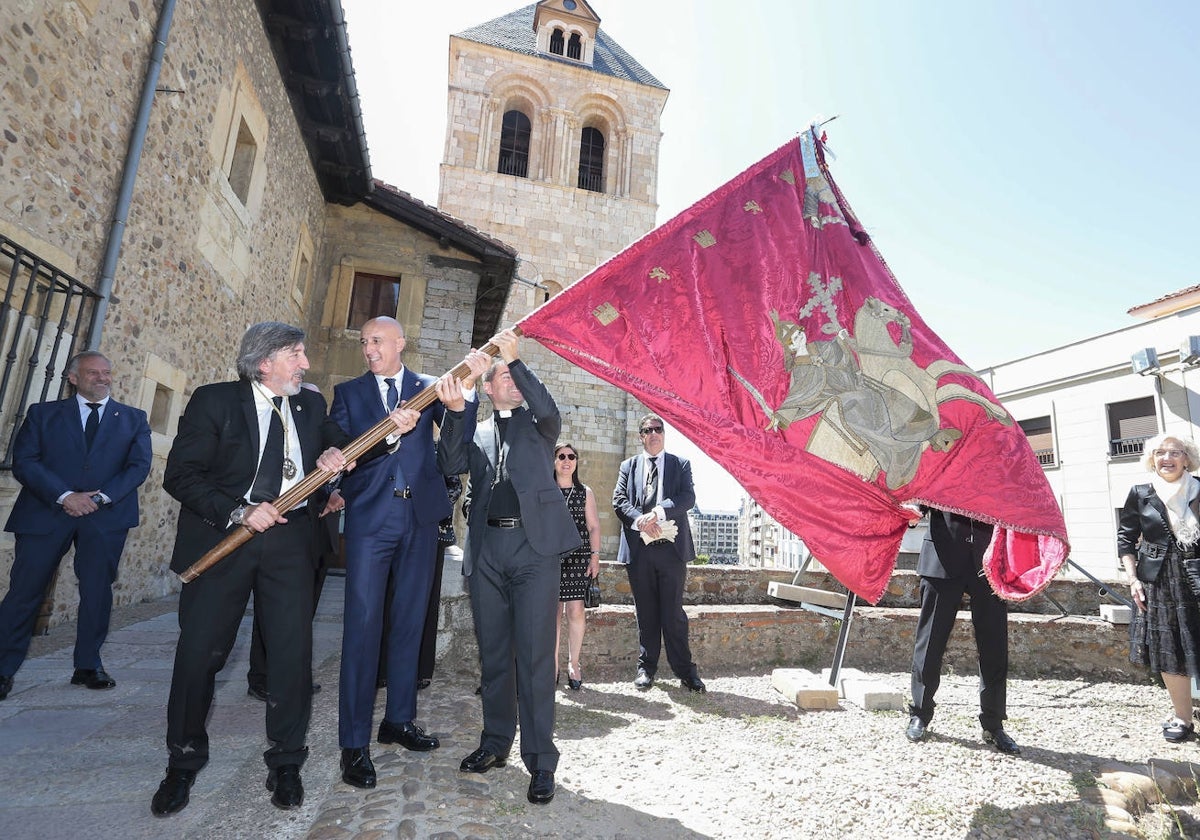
column 240, row 445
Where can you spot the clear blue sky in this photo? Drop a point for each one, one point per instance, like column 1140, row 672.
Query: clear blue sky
column 1027, row 169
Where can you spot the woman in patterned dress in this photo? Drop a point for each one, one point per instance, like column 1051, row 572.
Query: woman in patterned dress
column 1159, row 530
column 578, row 565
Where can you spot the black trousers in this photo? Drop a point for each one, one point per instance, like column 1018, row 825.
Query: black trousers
column 940, row 600
column 514, row 603
column 656, row 578
column 277, row 568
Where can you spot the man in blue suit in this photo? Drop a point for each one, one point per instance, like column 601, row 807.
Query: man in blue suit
column 80, row 462
column 654, row 488
column 395, row 498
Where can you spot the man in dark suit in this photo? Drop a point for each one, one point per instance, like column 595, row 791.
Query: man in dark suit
column 80, row 462
column 517, row 528
column 395, row 498
column 655, row 488
column 951, row 563
column 240, row 445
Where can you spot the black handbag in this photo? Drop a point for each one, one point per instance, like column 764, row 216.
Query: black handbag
column 591, row 595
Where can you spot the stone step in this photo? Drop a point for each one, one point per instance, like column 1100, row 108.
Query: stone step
column 742, row 638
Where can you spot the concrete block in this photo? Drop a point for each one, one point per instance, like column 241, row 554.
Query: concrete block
column 865, row 691
column 806, row 595
column 1116, row 613
column 804, row 688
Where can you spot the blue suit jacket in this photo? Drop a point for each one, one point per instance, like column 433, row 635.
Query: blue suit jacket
column 368, row 489
column 50, row 458
column 679, row 496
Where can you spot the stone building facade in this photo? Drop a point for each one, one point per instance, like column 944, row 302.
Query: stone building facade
column 253, row 201
column 552, row 146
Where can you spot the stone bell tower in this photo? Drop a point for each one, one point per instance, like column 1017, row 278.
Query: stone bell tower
column 552, row 147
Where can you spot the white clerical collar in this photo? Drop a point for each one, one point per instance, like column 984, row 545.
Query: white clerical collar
column 504, row 413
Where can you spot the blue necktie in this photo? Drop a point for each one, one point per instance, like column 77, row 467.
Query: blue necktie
column 93, row 424
column 393, row 396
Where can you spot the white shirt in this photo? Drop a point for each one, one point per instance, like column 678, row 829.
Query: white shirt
column 265, row 407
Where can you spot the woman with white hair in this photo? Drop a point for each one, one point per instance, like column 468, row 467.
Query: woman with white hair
column 1158, row 533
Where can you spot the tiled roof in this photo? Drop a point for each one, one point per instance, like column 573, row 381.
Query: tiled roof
column 514, row 32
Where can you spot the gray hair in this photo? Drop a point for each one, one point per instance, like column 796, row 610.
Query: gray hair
column 260, row 342
column 73, row 362
column 1186, row 444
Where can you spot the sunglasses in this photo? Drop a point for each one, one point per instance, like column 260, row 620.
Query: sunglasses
column 567, row 456
column 651, row 430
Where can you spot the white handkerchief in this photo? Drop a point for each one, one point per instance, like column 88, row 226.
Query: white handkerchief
column 669, row 531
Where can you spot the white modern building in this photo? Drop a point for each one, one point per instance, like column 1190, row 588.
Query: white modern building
column 764, row 543
column 715, row 533
column 1087, row 407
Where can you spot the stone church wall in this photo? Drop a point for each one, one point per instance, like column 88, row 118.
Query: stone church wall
column 561, row 231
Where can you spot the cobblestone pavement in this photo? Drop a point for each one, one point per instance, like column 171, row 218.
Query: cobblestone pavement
column 737, row 762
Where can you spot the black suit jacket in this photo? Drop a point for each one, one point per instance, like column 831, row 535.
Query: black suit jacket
column 1144, row 530
column 954, row 547
column 215, row 455
column 529, row 440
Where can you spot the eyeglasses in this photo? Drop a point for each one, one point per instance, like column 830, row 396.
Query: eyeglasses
column 1168, row 453
column 651, row 430
column 567, row 456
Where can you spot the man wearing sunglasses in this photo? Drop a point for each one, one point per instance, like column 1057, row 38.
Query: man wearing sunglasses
column 655, row 488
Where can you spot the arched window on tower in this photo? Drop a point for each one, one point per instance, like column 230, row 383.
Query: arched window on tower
column 574, row 47
column 591, row 160
column 514, row 145
column 556, row 42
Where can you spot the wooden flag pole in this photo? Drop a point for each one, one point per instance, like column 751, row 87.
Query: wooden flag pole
column 315, row 479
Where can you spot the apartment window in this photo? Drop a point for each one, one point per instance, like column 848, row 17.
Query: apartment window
column 1041, row 438
column 1130, row 423
column 372, row 295
column 591, row 160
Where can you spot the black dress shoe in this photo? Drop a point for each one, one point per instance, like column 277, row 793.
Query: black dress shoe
column 257, row 692
column 482, row 761
column 287, row 791
column 422, row 683
column 694, row 684
column 1001, row 740
column 357, row 767
column 408, row 735
column 173, row 793
column 916, row 729
column 94, row 679
column 541, row 787
column 5, row 686
column 643, row 680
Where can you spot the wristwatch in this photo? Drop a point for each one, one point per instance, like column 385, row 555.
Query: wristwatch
column 97, row 499
column 239, row 513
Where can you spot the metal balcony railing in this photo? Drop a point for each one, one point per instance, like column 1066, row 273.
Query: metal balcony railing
column 45, row 318
column 1127, row 446
column 1045, row 457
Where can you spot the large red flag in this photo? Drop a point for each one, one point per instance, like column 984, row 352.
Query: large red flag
column 764, row 325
